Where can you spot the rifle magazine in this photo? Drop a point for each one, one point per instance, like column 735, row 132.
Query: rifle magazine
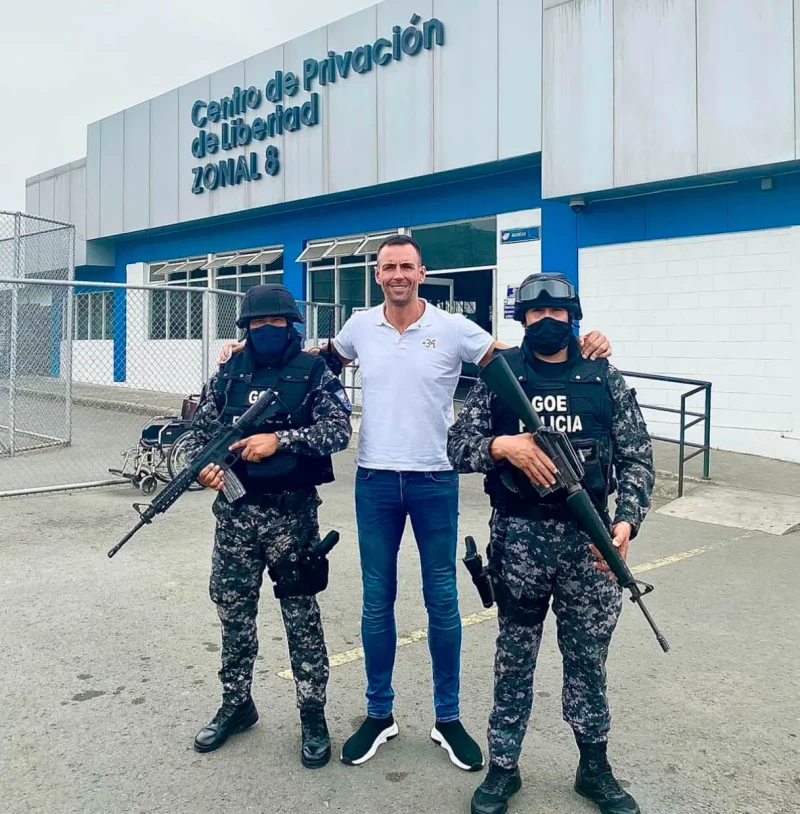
column 231, row 486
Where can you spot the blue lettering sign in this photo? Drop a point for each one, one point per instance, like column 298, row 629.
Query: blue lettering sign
column 520, row 235
column 235, row 132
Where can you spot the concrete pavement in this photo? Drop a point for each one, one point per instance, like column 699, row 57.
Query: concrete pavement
column 109, row 669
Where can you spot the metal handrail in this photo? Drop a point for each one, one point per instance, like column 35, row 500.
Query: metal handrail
column 705, row 416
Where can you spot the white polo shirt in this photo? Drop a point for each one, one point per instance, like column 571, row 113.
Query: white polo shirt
column 408, row 382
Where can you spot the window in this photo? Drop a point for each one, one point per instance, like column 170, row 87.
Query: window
column 94, row 315
column 323, row 287
column 470, row 244
column 179, row 314
column 342, row 271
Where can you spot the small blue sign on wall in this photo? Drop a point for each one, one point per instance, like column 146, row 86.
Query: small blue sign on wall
column 520, row 235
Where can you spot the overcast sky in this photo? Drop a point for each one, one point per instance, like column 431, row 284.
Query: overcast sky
column 67, row 63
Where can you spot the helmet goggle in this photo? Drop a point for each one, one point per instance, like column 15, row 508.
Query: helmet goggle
column 553, row 288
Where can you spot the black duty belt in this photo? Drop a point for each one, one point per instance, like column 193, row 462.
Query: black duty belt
column 293, row 501
column 538, row 511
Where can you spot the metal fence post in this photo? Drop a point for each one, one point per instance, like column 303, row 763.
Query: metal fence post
column 12, row 362
column 681, row 445
column 65, row 366
column 707, row 437
column 206, row 335
column 314, row 326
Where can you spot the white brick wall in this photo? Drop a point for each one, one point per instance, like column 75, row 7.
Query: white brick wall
column 722, row 308
column 515, row 261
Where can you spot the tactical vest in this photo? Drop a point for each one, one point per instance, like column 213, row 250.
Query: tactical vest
column 577, row 402
column 241, row 381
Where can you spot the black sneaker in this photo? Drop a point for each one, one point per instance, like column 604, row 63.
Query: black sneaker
column 492, row 796
column 315, row 751
column 228, row 720
column 363, row 744
column 463, row 750
column 597, row 783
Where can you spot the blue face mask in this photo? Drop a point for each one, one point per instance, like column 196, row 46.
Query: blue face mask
column 270, row 341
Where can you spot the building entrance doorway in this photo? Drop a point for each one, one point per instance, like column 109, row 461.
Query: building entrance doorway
column 463, row 291
column 438, row 291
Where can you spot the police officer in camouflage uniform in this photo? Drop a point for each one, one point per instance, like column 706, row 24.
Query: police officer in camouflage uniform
column 275, row 522
column 536, row 552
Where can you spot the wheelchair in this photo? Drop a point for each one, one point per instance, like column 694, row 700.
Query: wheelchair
column 160, row 454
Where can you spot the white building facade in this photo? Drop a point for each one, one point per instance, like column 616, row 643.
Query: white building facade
column 648, row 150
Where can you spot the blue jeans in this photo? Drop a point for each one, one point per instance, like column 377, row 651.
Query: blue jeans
column 430, row 499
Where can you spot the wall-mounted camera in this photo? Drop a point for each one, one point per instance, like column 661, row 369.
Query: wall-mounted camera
column 577, row 205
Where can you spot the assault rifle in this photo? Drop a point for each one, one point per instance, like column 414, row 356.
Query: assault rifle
column 217, row 451
column 569, row 476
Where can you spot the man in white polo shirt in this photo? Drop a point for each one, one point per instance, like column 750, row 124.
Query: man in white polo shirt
column 410, row 355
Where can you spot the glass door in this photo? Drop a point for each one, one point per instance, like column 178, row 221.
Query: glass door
column 438, row 291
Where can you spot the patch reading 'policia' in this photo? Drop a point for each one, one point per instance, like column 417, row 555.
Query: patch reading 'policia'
column 554, row 410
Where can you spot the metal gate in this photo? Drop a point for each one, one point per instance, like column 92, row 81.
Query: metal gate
column 34, row 362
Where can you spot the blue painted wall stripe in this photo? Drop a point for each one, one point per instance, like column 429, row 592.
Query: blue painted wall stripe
column 508, row 187
column 120, row 335
column 736, row 206
column 489, row 193
column 559, row 240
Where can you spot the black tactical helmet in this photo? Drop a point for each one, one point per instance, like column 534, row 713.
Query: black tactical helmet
column 271, row 300
column 538, row 290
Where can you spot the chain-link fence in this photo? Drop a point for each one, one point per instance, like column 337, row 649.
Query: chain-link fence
column 34, row 396
column 123, row 364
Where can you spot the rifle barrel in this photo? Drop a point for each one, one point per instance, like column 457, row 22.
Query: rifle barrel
column 659, row 635
column 125, row 539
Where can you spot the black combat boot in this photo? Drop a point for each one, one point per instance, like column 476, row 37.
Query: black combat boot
column 316, row 749
column 492, row 796
column 228, row 721
column 595, row 781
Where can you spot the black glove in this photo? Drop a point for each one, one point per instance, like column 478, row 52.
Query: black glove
column 331, row 360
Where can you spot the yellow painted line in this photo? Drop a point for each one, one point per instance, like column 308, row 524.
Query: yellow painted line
column 338, row 659
column 684, row 555
column 477, row 618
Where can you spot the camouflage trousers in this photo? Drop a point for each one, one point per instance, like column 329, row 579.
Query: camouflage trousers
column 546, row 560
column 248, row 539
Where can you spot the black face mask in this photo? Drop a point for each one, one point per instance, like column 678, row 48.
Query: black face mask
column 548, row 336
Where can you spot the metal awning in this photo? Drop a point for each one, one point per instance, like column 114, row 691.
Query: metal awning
column 372, row 243
column 167, row 268
column 244, row 258
column 192, row 265
column 265, row 257
column 345, row 247
column 219, row 261
column 315, row 251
